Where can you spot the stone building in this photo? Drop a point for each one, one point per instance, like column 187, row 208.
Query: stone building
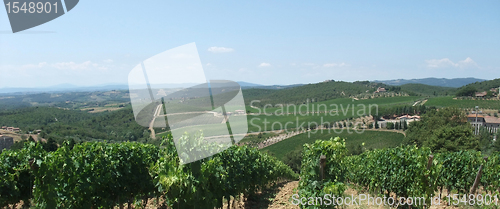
column 492, row 124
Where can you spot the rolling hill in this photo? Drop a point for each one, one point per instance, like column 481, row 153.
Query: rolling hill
column 483, row 85
column 444, row 82
column 312, row 92
column 427, row 90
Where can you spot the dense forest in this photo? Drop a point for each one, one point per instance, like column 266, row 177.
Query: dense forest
column 60, row 124
column 447, row 130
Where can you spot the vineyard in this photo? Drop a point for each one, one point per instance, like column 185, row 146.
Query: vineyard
column 397, row 172
column 105, row 175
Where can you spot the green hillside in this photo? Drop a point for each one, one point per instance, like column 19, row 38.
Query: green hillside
column 313, row 92
column 483, row 86
column 324, row 91
column 454, row 82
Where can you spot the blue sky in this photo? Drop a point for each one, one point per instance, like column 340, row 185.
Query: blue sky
column 265, row 42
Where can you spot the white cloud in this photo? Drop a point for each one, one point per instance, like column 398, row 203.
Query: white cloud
column 264, row 64
column 215, row 49
column 107, row 61
column 33, row 66
column 467, row 62
column 445, row 62
column 336, row 65
column 209, row 64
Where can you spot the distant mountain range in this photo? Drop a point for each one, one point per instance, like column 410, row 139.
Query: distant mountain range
column 63, row 88
column 455, row 82
column 109, row 87
column 444, row 82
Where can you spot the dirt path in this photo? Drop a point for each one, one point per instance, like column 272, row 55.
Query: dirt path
column 276, row 197
column 151, row 124
column 284, row 196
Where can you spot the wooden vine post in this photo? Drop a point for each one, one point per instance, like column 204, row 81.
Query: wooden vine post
column 322, row 164
column 429, row 164
column 478, row 177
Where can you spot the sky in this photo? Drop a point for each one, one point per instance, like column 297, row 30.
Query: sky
column 264, row 42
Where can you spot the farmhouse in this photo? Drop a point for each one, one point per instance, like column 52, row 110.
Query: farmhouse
column 6, row 142
column 472, row 120
column 380, row 89
column 405, row 118
column 492, row 124
column 494, row 93
column 481, row 94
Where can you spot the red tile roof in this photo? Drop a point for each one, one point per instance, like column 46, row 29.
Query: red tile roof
column 490, row 119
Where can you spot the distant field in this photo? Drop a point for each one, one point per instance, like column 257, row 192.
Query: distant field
column 71, row 100
column 347, row 108
column 372, row 139
column 450, row 102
